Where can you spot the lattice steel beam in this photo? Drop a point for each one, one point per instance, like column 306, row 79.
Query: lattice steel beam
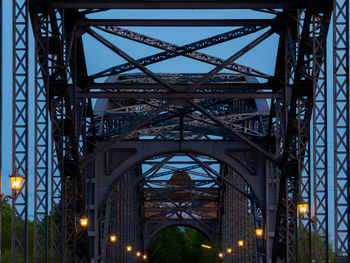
column 214, row 4
column 41, row 135
column 172, row 50
column 320, row 23
column 19, row 237
column 177, row 22
column 341, row 112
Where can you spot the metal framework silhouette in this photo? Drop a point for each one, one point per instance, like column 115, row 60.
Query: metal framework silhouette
column 224, row 153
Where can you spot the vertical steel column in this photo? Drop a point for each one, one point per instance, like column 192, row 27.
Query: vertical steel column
column 341, row 112
column 291, row 185
column 57, row 113
column 271, row 206
column 56, row 228
column 41, row 28
column 304, row 233
column 19, row 246
column 303, row 113
column 320, row 170
column 70, row 150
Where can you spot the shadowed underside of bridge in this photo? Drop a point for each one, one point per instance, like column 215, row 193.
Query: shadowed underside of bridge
column 225, row 151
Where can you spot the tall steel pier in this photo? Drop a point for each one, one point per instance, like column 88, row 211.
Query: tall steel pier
column 134, row 151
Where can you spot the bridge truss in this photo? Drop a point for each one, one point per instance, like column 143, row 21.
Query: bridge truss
column 270, row 158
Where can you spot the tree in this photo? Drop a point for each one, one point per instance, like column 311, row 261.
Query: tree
column 6, row 235
column 182, row 245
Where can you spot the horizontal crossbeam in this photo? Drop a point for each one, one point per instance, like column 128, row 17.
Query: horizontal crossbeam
column 180, row 95
column 178, row 87
column 234, row 4
column 177, row 22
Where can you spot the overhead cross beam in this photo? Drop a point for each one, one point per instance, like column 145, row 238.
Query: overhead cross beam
column 188, row 50
column 213, row 4
column 177, row 22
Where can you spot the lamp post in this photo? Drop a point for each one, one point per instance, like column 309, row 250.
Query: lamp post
column 16, row 184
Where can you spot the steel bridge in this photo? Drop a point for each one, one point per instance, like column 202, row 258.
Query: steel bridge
column 225, row 151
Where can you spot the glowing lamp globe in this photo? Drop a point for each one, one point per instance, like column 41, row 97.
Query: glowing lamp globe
column 128, row 248
column 138, row 254
column 240, row 243
column 16, row 181
column 302, row 208
column 144, row 257
column 221, row 255
column 84, row 221
column 258, row 232
column 113, row 238
column 229, row 250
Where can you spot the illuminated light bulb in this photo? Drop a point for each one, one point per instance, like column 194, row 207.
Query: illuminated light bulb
column 113, row 238
column 302, row 208
column 16, row 181
column 259, row 232
column 83, row 222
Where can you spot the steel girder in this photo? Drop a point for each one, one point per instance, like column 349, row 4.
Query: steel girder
column 67, row 243
column 218, row 4
column 173, row 50
column 341, row 112
column 41, row 179
column 20, row 89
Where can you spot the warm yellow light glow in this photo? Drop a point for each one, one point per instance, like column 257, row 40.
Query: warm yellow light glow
column 138, row 254
column 144, row 257
column 240, row 243
column 83, row 222
column 221, row 255
column 229, row 250
column 206, row 246
column 302, row 208
column 259, row 232
column 16, row 181
column 128, row 248
column 113, row 238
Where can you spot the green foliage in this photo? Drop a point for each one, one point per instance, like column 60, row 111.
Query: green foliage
column 6, row 235
column 182, row 245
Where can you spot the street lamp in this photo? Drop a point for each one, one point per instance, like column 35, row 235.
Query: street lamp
column 16, row 183
column 128, row 248
column 240, row 243
column 113, row 238
column 138, row 254
column 144, row 257
column 302, row 208
column 84, row 221
column 259, row 232
column 221, row 255
column 229, row 250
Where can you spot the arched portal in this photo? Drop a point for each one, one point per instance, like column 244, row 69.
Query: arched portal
column 177, row 189
column 134, row 191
